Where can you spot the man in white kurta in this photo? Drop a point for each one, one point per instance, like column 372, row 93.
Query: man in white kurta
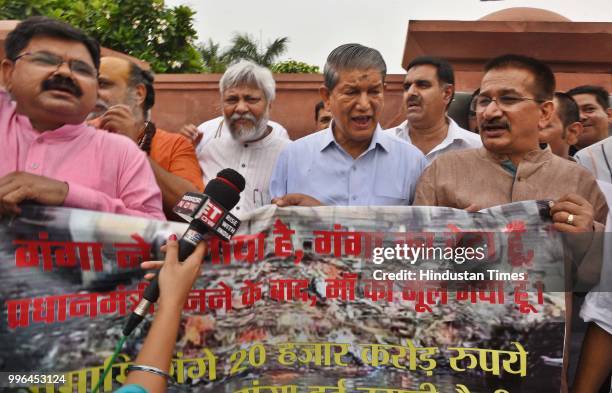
column 244, row 138
column 253, row 160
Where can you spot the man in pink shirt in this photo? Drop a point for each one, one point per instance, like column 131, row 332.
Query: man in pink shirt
column 48, row 154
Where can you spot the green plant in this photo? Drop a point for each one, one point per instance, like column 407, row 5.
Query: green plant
column 245, row 47
column 294, row 67
column 145, row 29
column 214, row 60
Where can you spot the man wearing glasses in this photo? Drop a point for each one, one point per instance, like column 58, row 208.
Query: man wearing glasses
column 49, row 155
column 513, row 106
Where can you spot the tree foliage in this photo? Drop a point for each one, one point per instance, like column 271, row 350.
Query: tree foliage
column 214, row 59
column 245, row 47
column 294, row 67
column 145, row 29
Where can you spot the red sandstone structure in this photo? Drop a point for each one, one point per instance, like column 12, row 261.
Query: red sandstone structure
column 467, row 45
column 568, row 47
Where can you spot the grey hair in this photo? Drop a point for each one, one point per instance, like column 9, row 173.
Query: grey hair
column 352, row 57
column 248, row 73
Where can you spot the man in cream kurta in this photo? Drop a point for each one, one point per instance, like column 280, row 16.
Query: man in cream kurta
column 513, row 106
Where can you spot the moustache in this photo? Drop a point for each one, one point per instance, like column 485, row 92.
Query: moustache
column 413, row 100
column 494, row 124
column 64, row 84
column 247, row 116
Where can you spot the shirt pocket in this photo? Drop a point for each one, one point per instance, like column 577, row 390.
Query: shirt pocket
column 390, row 192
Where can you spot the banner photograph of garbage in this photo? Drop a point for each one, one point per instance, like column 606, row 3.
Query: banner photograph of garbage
column 327, row 299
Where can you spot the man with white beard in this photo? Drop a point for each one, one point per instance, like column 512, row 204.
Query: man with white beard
column 243, row 138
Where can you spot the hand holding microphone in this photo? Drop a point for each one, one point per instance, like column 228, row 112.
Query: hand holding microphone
column 207, row 213
column 175, row 281
column 175, row 278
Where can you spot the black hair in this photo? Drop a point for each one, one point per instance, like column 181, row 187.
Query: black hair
column 544, row 79
column 444, row 70
column 471, row 108
column 601, row 94
column 320, row 105
column 42, row 26
column 568, row 110
column 137, row 76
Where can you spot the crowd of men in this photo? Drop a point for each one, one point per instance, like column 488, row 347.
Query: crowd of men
column 530, row 142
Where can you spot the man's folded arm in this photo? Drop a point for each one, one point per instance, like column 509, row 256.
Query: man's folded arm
column 138, row 193
column 88, row 198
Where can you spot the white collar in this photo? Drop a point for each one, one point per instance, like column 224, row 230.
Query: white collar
column 454, row 133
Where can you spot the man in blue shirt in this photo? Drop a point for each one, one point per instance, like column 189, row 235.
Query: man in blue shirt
column 353, row 162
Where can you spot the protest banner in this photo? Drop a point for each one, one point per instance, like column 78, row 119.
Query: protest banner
column 327, row 299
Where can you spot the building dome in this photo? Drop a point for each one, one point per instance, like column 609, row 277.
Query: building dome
column 525, row 14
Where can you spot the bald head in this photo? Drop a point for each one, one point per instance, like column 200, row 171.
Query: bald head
column 115, row 67
column 123, row 82
column 112, row 83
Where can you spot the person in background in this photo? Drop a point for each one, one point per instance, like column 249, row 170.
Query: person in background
column 596, row 117
column 244, row 138
column 322, row 116
column 429, row 88
column 597, row 159
column 49, row 155
column 125, row 99
column 565, row 127
column 595, row 114
column 594, row 372
column 472, row 122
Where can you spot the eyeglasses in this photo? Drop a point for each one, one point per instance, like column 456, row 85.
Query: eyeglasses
column 503, row 102
column 49, row 60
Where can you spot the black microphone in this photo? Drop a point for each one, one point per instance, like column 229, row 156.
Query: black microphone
column 206, row 213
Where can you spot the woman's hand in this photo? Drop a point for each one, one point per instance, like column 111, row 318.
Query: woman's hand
column 176, row 278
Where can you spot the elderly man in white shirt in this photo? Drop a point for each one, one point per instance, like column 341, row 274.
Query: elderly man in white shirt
column 429, row 88
column 244, row 138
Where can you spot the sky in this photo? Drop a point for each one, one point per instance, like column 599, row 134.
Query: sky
column 315, row 27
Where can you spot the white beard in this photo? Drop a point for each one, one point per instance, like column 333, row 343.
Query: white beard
column 248, row 134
